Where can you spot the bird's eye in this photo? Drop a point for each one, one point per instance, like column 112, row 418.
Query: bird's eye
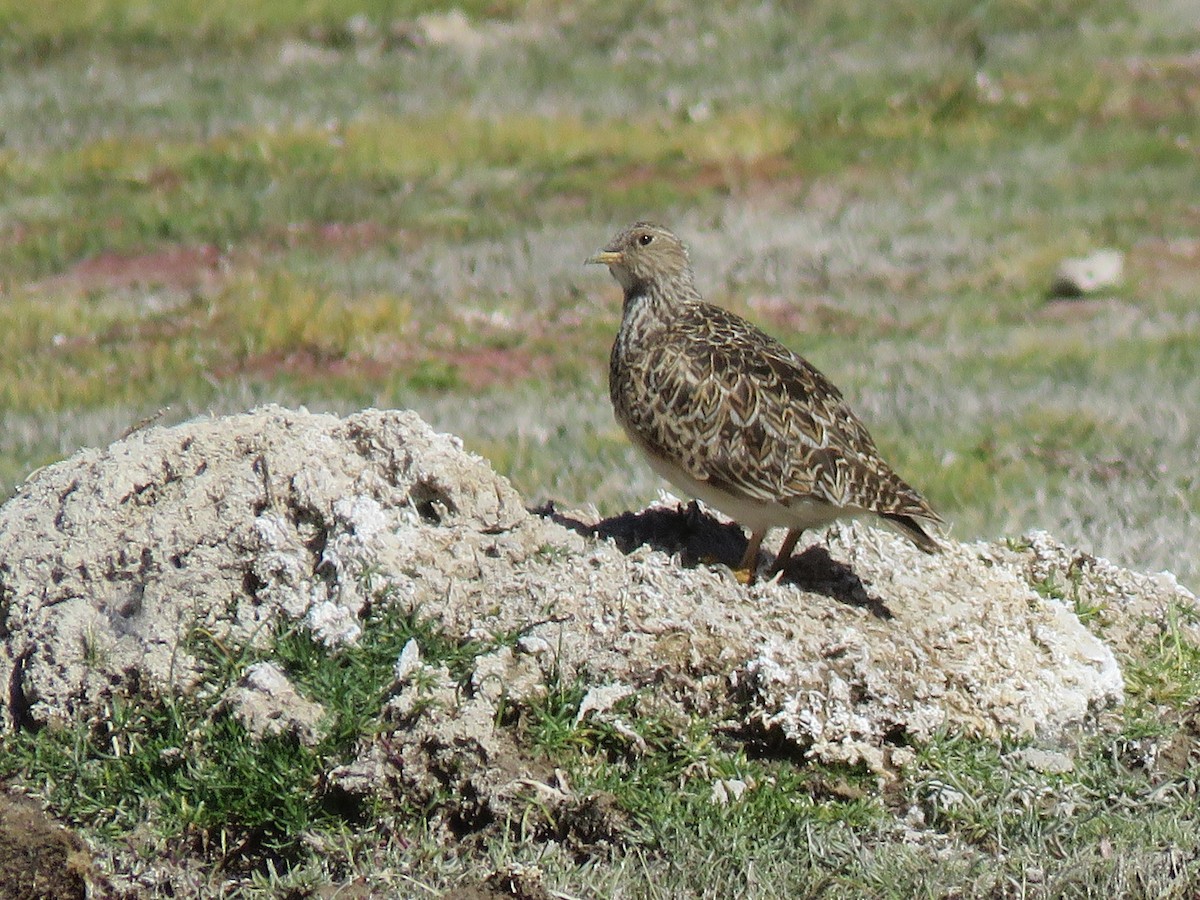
column 645, row 239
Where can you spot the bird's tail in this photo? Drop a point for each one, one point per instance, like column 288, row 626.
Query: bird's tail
column 911, row 528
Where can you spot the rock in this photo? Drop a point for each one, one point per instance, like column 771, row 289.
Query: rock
column 967, row 643
column 450, row 29
column 109, row 560
column 1089, row 274
column 602, row 698
column 1130, row 610
column 1048, row 762
column 408, row 661
column 444, row 741
column 266, row 703
column 727, row 790
column 239, row 526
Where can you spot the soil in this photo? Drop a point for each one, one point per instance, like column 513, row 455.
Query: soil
column 178, row 266
column 39, row 859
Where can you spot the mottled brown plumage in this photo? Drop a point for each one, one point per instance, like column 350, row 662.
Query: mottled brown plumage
column 731, row 416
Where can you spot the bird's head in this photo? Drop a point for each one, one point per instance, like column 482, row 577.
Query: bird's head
column 647, row 258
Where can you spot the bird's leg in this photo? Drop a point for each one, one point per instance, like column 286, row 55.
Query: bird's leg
column 749, row 564
column 785, row 549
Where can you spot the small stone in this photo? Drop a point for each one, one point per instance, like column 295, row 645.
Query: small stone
column 943, row 796
column 266, row 703
column 333, row 624
column 1082, row 275
column 408, row 661
column 1048, row 762
column 727, row 790
column 601, row 699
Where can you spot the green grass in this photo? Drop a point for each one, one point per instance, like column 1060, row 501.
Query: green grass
column 35, row 32
column 1169, row 673
column 188, row 766
column 189, row 772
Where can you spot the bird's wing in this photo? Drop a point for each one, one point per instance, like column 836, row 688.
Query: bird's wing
column 736, row 408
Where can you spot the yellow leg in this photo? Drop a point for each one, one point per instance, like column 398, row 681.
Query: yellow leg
column 746, row 568
column 785, row 550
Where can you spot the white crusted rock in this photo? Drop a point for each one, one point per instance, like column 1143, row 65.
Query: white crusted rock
column 240, row 526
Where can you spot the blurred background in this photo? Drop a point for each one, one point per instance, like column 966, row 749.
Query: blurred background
column 982, row 221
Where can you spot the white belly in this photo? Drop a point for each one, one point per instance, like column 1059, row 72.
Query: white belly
column 756, row 515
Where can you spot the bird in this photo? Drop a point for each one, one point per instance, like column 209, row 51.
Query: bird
column 732, row 417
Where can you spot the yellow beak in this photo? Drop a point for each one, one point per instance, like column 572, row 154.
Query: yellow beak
column 605, row 258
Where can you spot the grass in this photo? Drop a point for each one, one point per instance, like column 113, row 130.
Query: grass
column 325, row 204
column 189, row 768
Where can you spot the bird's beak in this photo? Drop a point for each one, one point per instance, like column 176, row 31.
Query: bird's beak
column 605, row 258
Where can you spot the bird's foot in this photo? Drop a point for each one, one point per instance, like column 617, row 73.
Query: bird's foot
column 741, row 574
column 745, row 574
column 746, row 571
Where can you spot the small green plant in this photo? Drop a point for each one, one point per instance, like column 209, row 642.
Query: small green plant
column 1168, row 674
column 1049, row 588
column 93, row 650
column 183, row 766
column 1091, row 611
column 1017, row 544
column 678, row 780
column 552, row 552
